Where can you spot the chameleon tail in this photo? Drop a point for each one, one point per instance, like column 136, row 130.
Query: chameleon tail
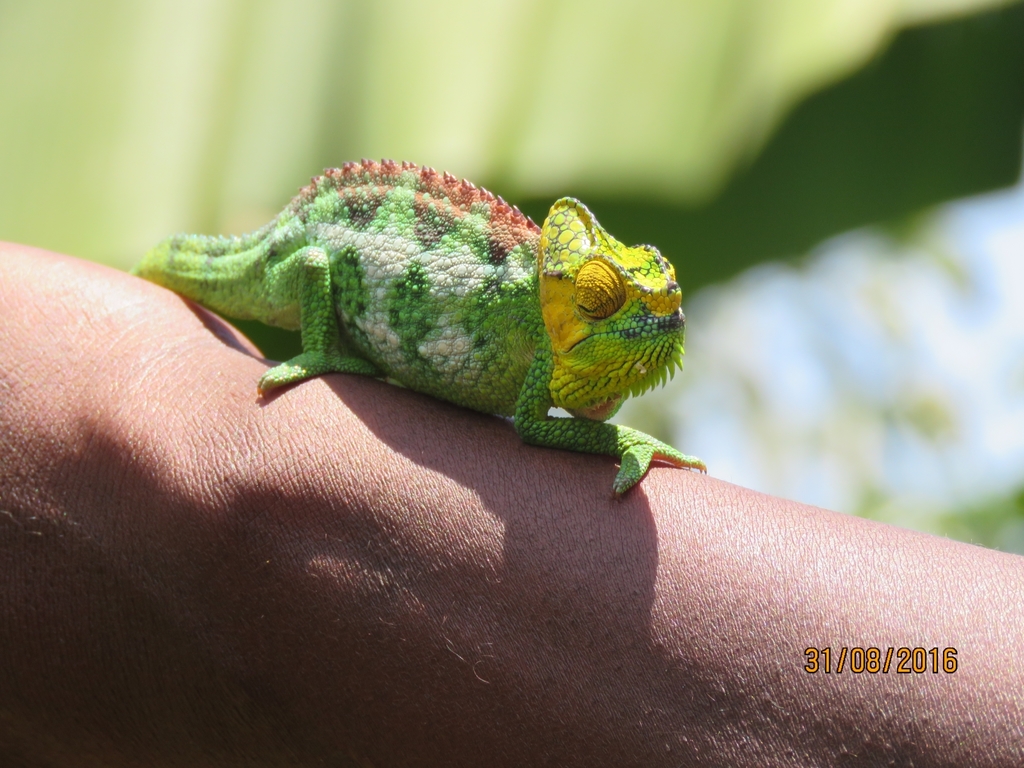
column 225, row 274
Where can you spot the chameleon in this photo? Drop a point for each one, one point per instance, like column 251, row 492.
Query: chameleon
column 403, row 273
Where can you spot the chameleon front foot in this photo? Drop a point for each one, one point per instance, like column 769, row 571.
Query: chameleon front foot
column 310, row 364
column 637, row 459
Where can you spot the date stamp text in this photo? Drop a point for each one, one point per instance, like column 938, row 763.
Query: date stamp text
column 901, row 661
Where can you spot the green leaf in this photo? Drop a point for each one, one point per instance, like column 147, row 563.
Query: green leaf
column 937, row 117
column 124, row 122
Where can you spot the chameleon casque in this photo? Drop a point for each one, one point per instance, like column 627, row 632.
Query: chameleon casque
column 400, row 272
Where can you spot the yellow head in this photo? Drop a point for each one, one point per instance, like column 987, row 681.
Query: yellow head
column 611, row 311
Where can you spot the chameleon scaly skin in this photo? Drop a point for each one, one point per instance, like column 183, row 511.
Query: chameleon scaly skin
column 392, row 270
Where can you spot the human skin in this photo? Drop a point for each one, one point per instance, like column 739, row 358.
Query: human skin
column 349, row 573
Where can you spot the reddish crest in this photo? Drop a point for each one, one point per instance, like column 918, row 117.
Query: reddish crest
column 507, row 222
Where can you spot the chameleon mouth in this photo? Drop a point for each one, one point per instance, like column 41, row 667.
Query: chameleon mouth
column 650, row 327
column 654, row 326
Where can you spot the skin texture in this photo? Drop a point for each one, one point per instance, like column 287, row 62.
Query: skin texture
column 354, row 574
column 392, row 270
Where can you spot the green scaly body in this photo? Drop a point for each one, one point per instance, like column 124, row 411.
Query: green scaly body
column 395, row 270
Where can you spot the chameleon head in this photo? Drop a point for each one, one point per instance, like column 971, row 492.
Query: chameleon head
column 611, row 311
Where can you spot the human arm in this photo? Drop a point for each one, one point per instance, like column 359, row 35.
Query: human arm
column 351, row 571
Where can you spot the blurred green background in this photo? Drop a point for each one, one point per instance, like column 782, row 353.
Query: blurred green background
column 732, row 134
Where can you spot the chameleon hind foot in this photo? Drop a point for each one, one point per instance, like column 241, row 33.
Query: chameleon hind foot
column 310, row 364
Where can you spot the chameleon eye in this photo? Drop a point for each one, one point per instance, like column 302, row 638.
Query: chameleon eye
column 600, row 292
